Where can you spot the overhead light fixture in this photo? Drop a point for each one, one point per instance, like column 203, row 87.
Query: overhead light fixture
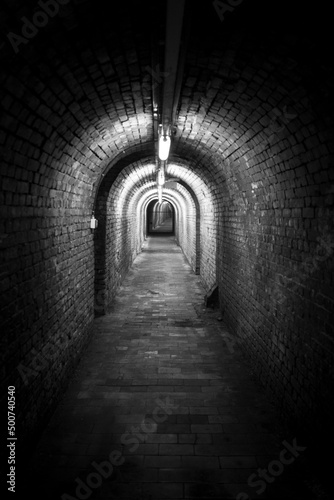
column 164, row 142
column 164, row 146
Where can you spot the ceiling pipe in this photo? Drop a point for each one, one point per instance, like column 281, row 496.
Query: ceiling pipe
column 171, row 84
column 173, row 70
column 156, row 83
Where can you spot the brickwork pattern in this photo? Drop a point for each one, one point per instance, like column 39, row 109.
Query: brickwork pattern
column 122, row 226
column 254, row 151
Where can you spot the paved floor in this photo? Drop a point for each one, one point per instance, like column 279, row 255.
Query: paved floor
column 161, row 407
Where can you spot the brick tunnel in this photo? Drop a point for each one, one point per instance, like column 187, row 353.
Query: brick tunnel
column 243, row 90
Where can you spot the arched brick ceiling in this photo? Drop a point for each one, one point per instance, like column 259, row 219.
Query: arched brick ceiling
column 79, row 93
column 254, row 148
column 140, row 177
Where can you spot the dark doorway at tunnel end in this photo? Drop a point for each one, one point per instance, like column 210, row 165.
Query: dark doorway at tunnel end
column 160, row 218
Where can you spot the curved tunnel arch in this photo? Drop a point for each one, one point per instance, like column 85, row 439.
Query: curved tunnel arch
column 158, row 214
column 128, row 194
column 149, row 197
column 254, row 130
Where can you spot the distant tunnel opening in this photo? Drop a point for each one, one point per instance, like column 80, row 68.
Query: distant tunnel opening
column 160, row 218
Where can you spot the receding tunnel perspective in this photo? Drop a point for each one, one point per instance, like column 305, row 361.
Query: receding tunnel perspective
column 160, row 218
column 167, row 242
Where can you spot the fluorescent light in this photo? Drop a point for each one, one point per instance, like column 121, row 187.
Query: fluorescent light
column 164, row 145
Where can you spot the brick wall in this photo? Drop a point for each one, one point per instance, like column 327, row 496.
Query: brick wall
column 121, row 212
column 198, row 239
column 274, row 205
column 262, row 137
column 254, row 154
column 276, row 280
column 47, row 276
column 59, row 127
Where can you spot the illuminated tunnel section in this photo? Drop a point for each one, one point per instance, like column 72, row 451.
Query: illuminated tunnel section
column 124, row 209
column 160, row 218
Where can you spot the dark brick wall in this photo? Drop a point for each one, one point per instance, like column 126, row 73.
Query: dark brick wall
column 61, row 121
column 47, row 303
column 275, row 253
column 276, row 282
column 46, row 266
column 267, row 143
column 254, row 154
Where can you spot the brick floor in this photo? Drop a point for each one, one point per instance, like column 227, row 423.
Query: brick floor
column 160, row 393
